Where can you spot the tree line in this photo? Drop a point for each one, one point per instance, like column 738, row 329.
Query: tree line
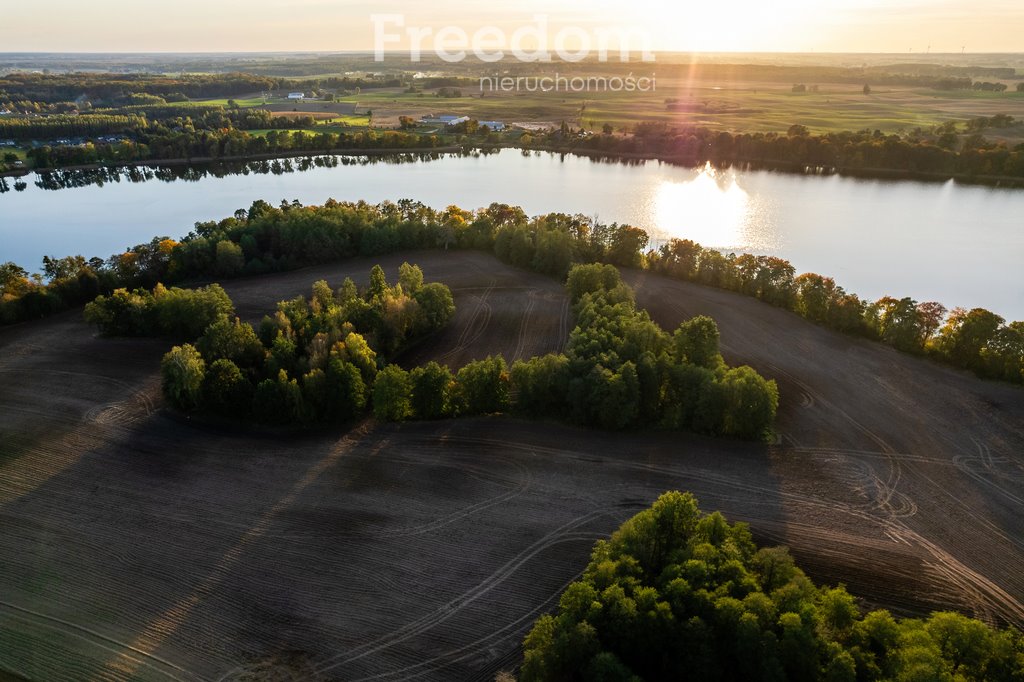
column 144, row 121
column 940, row 152
column 170, row 140
column 620, row 371
column 68, row 178
column 114, row 89
column 977, row 339
column 52, row 127
column 679, row 594
column 266, row 238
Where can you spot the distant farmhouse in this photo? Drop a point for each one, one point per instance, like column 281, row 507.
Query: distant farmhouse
column 452, row 120
column 296, row 95
column 446, row 120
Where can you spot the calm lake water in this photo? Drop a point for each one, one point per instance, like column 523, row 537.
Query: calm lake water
column 961, row 245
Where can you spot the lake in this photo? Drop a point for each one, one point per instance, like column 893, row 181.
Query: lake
column 957, row 244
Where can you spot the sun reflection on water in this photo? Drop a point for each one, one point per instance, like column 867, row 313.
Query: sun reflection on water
column 712, row 209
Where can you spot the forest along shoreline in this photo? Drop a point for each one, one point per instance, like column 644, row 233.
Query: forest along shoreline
column 686, row 161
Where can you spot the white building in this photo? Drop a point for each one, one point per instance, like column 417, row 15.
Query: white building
column 296, row 95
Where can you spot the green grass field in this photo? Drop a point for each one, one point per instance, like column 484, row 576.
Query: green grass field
column 356, row 120
column 735, row 106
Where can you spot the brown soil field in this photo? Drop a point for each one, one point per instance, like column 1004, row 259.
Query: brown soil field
column 138, row 544
column 309, row 107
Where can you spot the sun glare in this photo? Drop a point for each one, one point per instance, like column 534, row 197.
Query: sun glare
column 740, row 25
column 711, row 209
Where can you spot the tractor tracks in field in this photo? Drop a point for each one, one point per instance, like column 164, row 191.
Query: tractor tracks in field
column 568, row 532
column 475, row 325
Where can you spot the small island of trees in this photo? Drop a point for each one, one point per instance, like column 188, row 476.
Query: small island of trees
column 325, row 360
column 676, row 594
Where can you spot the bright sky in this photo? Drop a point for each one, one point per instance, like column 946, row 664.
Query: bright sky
column 673, row 25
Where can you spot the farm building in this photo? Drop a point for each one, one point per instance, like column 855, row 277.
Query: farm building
column 445, row 119
column 296, row 95
column 493, row 126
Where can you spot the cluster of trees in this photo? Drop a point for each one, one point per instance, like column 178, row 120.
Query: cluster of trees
column 620, row 371
column 176, row 313
column 73, row 280
column 679, row 594
column 315, row 361
column 125, row 88
column 985, row 86
column 996, row 121
column 978, row 340
column 52, row 127
column 433, row 391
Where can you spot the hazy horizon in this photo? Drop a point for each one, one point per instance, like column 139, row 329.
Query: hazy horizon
column 716, row 53
column 736, row 26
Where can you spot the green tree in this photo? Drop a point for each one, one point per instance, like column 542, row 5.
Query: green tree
column 123, row 313
column 628, row 244
column 230, row 259
column 279, row 401
column 186, row 313
column 751, row 402
column 1003, row 355
column 378, row 283
column 696, row 343
column 355, row 349
column 182, row 371
column 590, row 279
column 541, row 385
column 410, row 277
column 63, row 268
column 391, row 394
column 554, row 253
column 436, row 305
column 13, row 279
column 816, row 296
column 965, row 334
column 484, row 386
column 323, row 295
column 225, row 391
column 346, row 391
column 900, row 323
column 432, row 386
column 234, row 340
column 683, row 389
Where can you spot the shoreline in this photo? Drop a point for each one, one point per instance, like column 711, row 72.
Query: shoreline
column 793, row 168
column 997, row 181
column 197, row 160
